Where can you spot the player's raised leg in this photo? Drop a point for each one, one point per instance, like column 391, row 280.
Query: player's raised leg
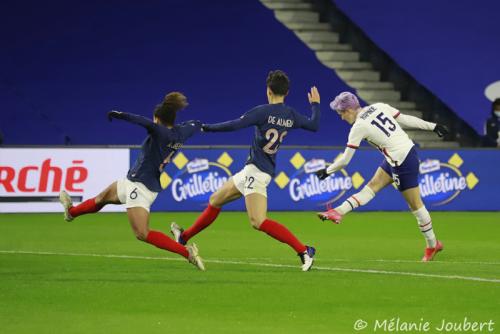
column 412, row 197
column 225, row 194
column 380, row 180
column 257, row 213
column 92, row 205
column 139, row 221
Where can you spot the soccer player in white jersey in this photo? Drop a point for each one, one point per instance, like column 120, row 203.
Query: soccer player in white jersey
column 380, row 125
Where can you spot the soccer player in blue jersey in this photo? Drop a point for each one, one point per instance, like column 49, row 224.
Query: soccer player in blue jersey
column 272, row 123
column 139, row 190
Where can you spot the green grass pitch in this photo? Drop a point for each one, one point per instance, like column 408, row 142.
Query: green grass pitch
column 58, row 277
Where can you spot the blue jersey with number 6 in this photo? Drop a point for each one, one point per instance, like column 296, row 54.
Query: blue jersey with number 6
column 157, row 149
column 272, row 122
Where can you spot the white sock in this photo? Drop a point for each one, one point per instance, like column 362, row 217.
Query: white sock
column 425, row 226
column 356, row 200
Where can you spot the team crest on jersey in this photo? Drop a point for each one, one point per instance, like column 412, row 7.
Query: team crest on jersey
column 441, row 182
column 197, row 179
column 304, row 185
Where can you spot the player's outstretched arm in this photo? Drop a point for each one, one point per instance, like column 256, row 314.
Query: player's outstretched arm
column 311, row 124
column 338, row 164
column 136, row 119
column 248, row 119
column 441, row 130
column 189, row 128
column 356, row 135
column 413, row 122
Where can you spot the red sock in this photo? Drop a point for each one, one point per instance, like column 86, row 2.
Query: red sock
column 206, row 218
column 89, row 206
column 281, row 233
column 160, row 240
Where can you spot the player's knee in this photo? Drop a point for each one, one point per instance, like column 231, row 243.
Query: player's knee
column 99, row 199
column 415, row 205
column 213, row 200
column 103, row 199
column 414, row 202
column 256, row 221
column 374, row 185
column 141, row 234
column 216, row 200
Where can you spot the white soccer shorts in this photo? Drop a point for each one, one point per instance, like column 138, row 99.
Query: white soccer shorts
column 251, row 180
column 135, row 194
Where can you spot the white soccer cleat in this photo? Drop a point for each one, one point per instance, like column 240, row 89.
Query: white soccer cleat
column 307, row 258
column 66, row 202
column 194, row 258
column 176, row 231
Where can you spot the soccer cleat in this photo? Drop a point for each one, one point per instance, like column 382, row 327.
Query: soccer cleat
column 332, row 215
column 307, row 258
column 431, row 252
column 194, row 258
column 66, row 202
column 176, row 231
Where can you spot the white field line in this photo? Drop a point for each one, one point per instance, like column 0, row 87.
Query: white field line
column 365, row 271
column 437, row 261
column 489, row 263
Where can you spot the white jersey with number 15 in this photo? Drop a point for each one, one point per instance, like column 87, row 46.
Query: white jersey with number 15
column 377, row 124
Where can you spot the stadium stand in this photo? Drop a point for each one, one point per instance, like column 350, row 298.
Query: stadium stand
column 113, row 60
column 440, row 48
column 338, row 50
column 441, row 55
column 63, row 70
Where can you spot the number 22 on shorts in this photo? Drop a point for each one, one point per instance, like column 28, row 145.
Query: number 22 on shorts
column 249, row 180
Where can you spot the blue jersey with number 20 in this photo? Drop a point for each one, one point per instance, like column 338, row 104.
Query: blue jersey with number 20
column 272, row 122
